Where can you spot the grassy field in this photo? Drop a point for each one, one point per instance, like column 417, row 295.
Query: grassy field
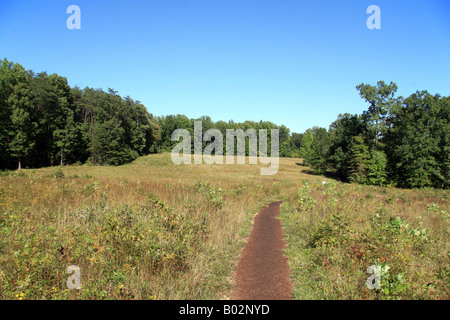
column 153, row 230
column 335, row 232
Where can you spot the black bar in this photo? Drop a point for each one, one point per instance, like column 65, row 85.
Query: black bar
column 221, row 309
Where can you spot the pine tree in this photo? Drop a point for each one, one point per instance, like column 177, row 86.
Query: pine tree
column 306, row 146
column 357, row 160
column 375, row 169
column 317, row 157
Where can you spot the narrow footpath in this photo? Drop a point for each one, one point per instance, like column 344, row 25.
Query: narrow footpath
column 262, row 272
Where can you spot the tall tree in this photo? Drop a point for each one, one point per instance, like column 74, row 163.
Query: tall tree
column 381, row 102
column 306, row 145
column 375, row 169
column 418, row 142
column 67, row 137
column 357, row 160
column 21, row 134
column 11, row 75
column 342, row 131
column 317, row 157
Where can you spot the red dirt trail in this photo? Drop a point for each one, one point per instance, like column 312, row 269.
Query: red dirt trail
column 262, row 272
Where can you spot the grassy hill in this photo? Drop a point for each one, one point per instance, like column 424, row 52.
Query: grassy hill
column 153, row 230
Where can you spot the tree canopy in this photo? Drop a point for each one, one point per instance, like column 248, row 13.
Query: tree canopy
column 46, row 122
column 397, row 141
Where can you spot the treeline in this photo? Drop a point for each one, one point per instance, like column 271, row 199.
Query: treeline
column 397, row 141
column 44, row 122
column 170, row 123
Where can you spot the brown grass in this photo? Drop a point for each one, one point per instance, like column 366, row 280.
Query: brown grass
column 154, row 230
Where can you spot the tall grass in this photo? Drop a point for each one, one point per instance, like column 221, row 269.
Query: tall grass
column 153, row 230
column 148, row 230
column 336, row 231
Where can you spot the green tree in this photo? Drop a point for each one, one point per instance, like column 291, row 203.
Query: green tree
column 342, row 132
column 51, row 103
column 11, row 75
column 375, row 169
column 45, row 122
column 22, row 127
column 357, row 160
column 67, row 137
column 417, row 145
column 381, row 102
column 297, row 140
column 317, row 157
column 306, row 145
column 108, row 146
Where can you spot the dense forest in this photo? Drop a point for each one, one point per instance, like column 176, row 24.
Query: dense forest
column 168, row 124
column 397, row 141
column 45, row 122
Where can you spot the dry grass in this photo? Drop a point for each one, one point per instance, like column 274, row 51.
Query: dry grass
column 154, row 230
column 146, row 230
column 336, row 231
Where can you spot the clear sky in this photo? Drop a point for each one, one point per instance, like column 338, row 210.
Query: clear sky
column 291, row 62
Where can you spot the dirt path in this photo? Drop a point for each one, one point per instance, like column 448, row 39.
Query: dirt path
column 262, row 272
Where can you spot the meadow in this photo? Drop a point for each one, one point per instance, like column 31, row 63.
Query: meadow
column 335, row 232
column 154, row 230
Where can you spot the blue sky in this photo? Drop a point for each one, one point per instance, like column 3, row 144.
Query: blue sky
column 295, row 63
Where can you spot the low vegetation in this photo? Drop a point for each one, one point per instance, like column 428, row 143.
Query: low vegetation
column 336, row 231
column 153, row 230
column 147, row 230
